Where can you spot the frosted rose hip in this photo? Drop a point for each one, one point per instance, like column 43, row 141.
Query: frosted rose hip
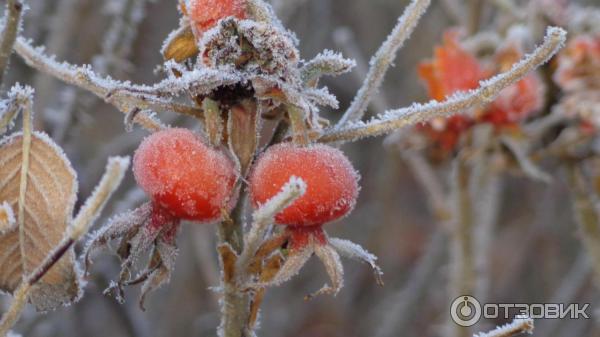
column 332, row 183
column 184, row 175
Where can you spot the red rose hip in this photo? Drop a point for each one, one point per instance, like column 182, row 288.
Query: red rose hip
column 332, row 183
column 184, row 175
column 206, row 13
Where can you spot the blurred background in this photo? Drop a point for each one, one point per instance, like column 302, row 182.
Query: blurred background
column 536, row 256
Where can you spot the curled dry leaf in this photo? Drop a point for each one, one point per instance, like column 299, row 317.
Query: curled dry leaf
column 50, row 190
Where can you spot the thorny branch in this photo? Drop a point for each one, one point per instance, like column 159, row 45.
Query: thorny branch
column 115, row 171
column 461, row 102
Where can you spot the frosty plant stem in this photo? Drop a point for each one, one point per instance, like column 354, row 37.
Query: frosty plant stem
column 383, row 59
column 12, row 21
column 236, row 313
column 460, row 102
column 115, row 171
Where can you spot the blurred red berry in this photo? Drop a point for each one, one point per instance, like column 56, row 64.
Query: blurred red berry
column 206, row 13
column 579, row 64
column 452, row 69
column 332, row 183
column 183, row 174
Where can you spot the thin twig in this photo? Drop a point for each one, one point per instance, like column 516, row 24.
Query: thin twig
column 460, row 102
column 382, row 60
column 462, row 268
column 115, row 171
column 9, row 35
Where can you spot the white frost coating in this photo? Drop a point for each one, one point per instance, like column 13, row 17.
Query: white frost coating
column 291, row 191
column 10, row 107
column 265, row 215
column 328, row 63
column 7, row 218
column 383, row 59
column 519, row 325
column 115, row 171
column 458, row 102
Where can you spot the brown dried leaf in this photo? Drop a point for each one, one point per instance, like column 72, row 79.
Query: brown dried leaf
column 181, row 46
column 242, row 129
column 228, row 259
column 50, row 193
column 269, row 271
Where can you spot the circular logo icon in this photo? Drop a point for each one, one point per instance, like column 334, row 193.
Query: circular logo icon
column 465, row 310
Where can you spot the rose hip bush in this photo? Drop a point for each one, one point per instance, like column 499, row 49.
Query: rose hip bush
column 259, row 162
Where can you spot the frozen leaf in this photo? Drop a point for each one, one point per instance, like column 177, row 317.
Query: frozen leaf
column 49, row 186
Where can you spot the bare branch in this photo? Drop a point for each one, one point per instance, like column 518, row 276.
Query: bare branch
column 460, row 102
column 9, row 35
column 383, row 59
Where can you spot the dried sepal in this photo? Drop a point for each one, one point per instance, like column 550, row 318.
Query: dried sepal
column 333, row 266
column 268, row 271
column 161, row 266
column 149, row 228
column 295, row 260
column 116, row 227
column 353, row 251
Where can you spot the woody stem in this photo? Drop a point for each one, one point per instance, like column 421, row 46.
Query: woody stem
column 235, row 307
